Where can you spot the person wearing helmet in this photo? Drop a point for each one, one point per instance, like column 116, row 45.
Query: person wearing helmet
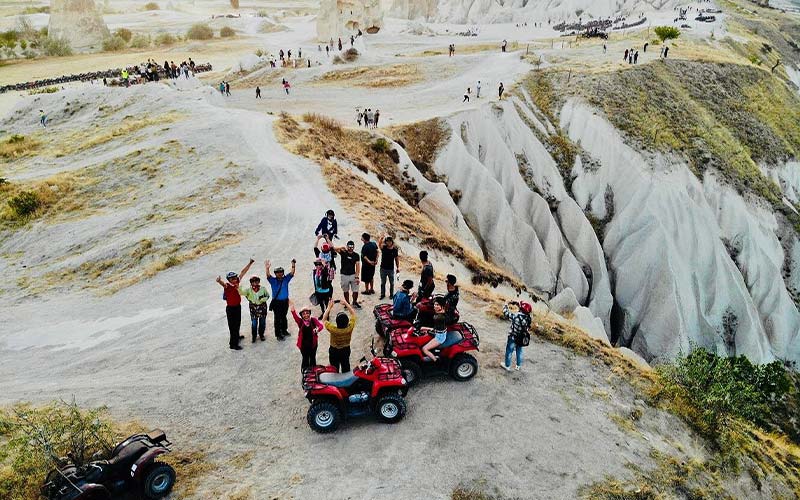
column 280, row 298
column 402, row 308
column 257, row 297
column 328, row 226
column 233, row 304
column 326, row 251
column 307, row 336
column 323, row 289
column 341, row 332
column 518, row 334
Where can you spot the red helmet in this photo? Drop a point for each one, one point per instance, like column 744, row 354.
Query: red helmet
column 525, row 307
column 326, row 247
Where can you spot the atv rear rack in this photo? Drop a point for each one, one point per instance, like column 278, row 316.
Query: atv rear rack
column 310, row 378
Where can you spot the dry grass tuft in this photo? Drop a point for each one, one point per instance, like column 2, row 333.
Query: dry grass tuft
column 395, row 75
column 57, row 194
column 16, row 146
column 81, row 141
column 423, row 141
column 190, row 468
column 242, row 460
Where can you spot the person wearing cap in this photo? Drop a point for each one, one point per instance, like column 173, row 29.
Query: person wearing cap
column 341, row 332
column 451, row 300
column 233, row 304
column 323, row 290
column 351, row 268
column 280, row 298
column 402, row 308
column 520, row 325
column 426, row 283
column 328, row 226
column 257, row 297
column 369, row 260
column 390, row 264
column 326, row 251
column 307, row 335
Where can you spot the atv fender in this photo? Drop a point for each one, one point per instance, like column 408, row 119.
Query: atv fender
column 92, row 491
column 339, row 402
column 140, row 466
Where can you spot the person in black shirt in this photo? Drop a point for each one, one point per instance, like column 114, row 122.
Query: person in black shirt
column 451, row 301
column 351, row 268
column 426, row 283
column 369, row 260
column 390, row 264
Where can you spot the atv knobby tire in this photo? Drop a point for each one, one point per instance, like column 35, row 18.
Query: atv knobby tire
column 390, row 408
column 324, row 417
column 158, row 481
column 463, row 367
column 411, row 371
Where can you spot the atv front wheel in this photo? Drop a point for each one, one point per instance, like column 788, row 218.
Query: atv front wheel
column 390, row 408
column 463, row 367
column 159, row 481
column 411, row 372
column 324, row 417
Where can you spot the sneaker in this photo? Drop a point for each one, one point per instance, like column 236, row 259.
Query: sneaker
column 382, row 297
column 253, row 341
column 237, row 348
column 262, row 338
column 518, row 368
column 357, row 305
column 506, row 368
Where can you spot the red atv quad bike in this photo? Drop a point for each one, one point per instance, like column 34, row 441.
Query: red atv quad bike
column 406, row 346
column 131, row 469
column 385, row 324
column 375, row 387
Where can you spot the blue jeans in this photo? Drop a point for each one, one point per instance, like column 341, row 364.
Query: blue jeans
column 512, row 346
column 258, row 324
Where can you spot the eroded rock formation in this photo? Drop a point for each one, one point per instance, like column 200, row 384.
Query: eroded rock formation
column 342, row 18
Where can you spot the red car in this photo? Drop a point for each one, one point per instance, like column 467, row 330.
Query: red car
column 373, row 387
column 406, row 345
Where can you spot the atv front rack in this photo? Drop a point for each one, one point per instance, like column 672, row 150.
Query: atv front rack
column 394, row 369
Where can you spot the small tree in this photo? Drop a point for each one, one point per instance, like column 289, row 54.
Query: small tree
column 151, row 6
column 24, row 204
column 227, row 32
column 667, row 32
column 57, row 47
column 140, row 41
column 124, row 33
column 200, row 31
column 114, row 44
column 165, row 39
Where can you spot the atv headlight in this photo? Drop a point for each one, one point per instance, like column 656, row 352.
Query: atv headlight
column 394, row 354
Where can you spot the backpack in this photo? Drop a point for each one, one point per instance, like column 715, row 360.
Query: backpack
column 524, row 339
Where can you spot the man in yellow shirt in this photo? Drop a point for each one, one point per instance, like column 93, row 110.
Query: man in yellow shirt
column 258, row 297
column 341, row 331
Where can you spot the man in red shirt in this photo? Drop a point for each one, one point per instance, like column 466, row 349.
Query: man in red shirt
column 233, row 304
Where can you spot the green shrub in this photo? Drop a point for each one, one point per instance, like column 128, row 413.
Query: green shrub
column 32, row 439
column 24, row 204
column 381, row 145
column 9, row 36
column 140, row 41
column 114, row 44
column 227, row 32
column 722, row 387
column 200, row 31
column 667, row 32
column 165, row 39
column 56, row 47
column 23, row 44
column 124, row 33
column 151, row 6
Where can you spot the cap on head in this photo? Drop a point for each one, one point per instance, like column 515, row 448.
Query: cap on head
column 408, row 285
column 231, row 275
column 326, row 248
column 255, row 279
column 342, row 320
column 451, row 280
column 305, row 309
column 525, row 307
column 278, row 270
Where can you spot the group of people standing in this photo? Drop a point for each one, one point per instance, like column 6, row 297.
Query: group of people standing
column 367, row 117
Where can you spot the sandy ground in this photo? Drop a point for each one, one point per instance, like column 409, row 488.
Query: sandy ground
column 157, row 352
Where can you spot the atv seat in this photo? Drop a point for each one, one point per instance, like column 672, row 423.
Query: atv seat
column 338, row 379
column 453, row 338
column 128, row 454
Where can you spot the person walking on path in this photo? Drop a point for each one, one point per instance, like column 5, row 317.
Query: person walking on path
column 666, row 51
column 500, row 90
column 286, row 86
column 307, row 336
column 359, row 116
column 369, row 260
column 227, row 89
column 625, row 57
column 519, row 334
column 258, row 92
column 504, row 45
column 341, row 332
column 351, row 270
column 323, row 290
column 390, row 264
column 257, row 297
column 280, row 298
column 636, row 57
column 233, row 304
column 466, row 96
column 377, row 117
column 478, row 90
column 42, row 118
